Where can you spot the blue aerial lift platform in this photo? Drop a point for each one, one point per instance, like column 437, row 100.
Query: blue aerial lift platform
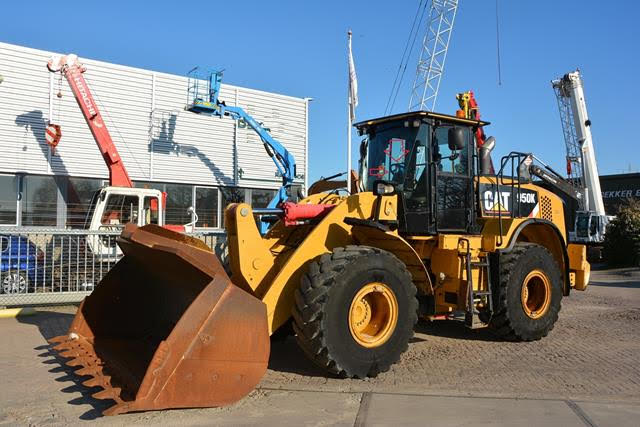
column 203, row 92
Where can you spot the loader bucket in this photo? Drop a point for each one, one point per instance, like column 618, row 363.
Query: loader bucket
column 166, row 328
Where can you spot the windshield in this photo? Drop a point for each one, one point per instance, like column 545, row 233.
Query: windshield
column 92, row 207
column 388, row 153
column 582, row 225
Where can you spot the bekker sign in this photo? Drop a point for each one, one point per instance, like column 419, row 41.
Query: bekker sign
column 619, row 194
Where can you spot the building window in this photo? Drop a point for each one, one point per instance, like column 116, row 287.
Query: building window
column 80, row 193
column 261, row 198
column 231, row 195
column 39, row 201
column 154, row 185
column 179, row 199
column 8, row 199
column 207, row 207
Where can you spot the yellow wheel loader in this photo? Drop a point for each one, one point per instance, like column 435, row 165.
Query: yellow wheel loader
column 436, row 234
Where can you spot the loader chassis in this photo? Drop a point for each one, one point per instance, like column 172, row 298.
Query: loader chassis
column 429, row 237
column 453, row 229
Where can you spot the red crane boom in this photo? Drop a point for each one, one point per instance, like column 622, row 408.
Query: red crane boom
column 72, row 70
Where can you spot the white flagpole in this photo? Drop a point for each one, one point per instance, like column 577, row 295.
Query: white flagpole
column 349, row 114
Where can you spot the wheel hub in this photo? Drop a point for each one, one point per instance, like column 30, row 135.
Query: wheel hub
column 536, row 294
column 373, row 315
column 14, row 283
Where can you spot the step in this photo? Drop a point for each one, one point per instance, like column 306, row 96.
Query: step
column 474, row 322
column 479, row 264
column 481, row 293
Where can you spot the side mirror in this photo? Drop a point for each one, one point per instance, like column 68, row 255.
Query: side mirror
column 456, row 138
column 363, row 147
column 384, row 188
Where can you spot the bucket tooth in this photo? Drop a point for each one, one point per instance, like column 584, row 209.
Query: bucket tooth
column 89, row 370
column 58, row 339
column 69, row 353
column 66, row 345
column 98, row 381
column 117, row 409
column 108, row 393
column 76, row 362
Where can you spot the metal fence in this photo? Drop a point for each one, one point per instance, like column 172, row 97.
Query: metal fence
column 56, row 266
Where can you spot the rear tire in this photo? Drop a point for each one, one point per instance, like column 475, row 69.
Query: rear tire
column 528, row 299
column 355, row 311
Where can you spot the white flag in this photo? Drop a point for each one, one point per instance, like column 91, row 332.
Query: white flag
column 353, row 83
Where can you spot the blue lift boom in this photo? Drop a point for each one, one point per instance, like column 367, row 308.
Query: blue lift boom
column 203, row 98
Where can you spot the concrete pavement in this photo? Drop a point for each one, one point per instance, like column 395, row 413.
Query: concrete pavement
column 584, row 373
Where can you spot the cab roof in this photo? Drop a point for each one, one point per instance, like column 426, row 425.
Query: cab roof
column 421, row 115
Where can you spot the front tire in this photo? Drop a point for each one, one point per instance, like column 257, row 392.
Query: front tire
column 528, row 299
column 355, row 311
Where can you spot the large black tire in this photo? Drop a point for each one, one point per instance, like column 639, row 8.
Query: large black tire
column 323, row 303
column 510, row 319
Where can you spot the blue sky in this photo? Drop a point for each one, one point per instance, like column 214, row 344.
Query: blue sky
column 299, row 48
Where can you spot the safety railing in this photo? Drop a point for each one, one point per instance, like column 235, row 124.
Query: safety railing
column 53, row 266
column 508, row 178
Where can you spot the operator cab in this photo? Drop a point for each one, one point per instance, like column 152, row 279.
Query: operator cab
column 428, row 159
column 589, row 227
column 114, row 207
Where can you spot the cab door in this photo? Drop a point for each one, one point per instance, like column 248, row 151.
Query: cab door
column 452, row 187
column 417, row 216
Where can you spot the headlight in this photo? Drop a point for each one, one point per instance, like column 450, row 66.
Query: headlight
column 384, row 188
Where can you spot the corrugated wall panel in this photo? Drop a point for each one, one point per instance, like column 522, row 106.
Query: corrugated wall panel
column 123, row 96
column 24, row 107
column 286, row 119
column 189, row 147
column 144, row 112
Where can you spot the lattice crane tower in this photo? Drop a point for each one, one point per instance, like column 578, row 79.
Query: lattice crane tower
column 433, row 55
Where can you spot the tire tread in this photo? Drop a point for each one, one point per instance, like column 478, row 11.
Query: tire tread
column 311, row 297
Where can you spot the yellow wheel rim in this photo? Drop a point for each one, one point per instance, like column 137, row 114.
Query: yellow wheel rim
column 536, row 294
column 373, row 315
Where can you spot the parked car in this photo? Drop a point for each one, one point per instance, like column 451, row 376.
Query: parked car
column 20, row 265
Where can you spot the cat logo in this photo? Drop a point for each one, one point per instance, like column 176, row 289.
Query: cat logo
column 496, row 202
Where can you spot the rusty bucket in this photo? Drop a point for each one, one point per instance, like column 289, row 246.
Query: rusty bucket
column 166, row 328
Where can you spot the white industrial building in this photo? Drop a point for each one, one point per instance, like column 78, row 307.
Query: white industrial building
column 199, row 161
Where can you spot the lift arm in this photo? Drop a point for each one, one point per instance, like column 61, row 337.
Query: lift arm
column 72, row 70
column 550, row 176
column 557, row 182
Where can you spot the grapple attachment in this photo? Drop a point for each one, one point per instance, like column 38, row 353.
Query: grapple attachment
column 166, row 328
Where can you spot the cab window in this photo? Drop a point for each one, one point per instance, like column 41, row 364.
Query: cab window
column 594, row 225
column 120, row 209
column 389, row 149
column 151, row 210
column 447, row 160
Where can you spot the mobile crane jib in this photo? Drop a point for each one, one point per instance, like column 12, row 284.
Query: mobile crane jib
column 119, row 202
column 72, row 70
column 582, row 169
